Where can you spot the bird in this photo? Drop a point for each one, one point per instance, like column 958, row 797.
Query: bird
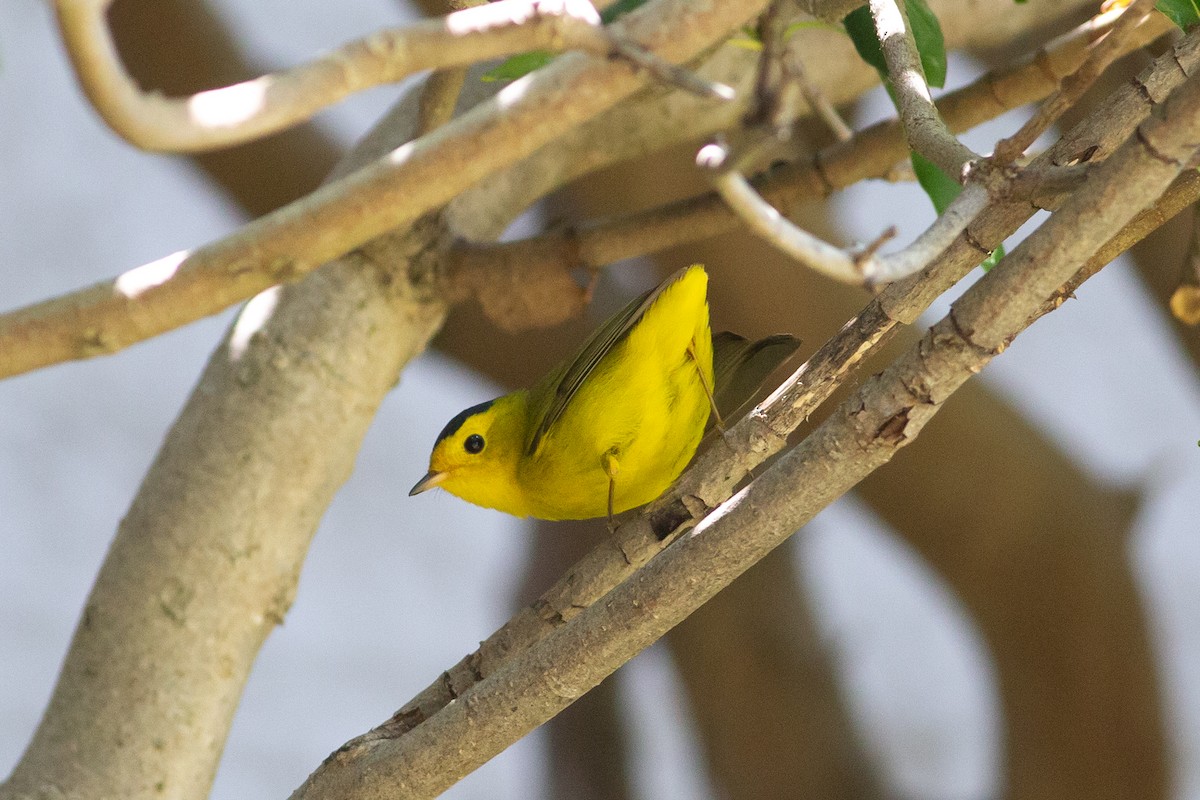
column 610, row 428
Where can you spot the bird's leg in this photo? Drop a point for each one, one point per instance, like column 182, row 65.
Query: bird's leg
column 708, row 389
column 611, row 468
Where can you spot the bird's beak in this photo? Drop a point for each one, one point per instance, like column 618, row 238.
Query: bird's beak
column 431, row 479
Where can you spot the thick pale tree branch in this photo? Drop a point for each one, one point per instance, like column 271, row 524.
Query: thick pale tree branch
column 760, row 435
column 252, row 109
column 865, row 432
column 206, row 561
column 401, row 186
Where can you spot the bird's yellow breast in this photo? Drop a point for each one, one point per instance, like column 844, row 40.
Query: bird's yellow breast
column 644, row 404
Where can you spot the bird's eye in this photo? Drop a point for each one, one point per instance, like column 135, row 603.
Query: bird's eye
column 473, row 443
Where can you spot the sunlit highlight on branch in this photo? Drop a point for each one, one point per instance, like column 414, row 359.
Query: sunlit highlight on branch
column 147, row 276
column 229, row 106
column 252, row 319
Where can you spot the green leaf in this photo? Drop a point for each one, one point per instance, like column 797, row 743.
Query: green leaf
column 927, row 33
column 861, row 28
column 930, row 44
column 619, row 8
column 1184, row 13
column 518, row 66
column 942, row 189
column 998, row 253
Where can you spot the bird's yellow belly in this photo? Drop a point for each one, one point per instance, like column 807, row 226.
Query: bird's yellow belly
column 651, row 433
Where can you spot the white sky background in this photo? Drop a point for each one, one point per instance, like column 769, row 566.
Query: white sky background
column 395, row 589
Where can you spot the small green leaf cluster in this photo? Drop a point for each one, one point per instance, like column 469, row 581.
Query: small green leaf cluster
column 931, row 45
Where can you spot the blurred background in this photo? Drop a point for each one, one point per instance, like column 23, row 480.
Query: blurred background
column 1007, row 610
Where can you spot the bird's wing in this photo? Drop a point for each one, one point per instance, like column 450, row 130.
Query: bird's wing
column 740, row 366
column 555, row 392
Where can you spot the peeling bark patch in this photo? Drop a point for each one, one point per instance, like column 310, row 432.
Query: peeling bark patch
column 448, row 685
column 666, row 521
column 891, row 432
column 407, row 720
column 547, row 613
column 969, row 236
column 1144, row 90
column 1086, row 155
column 174, row 601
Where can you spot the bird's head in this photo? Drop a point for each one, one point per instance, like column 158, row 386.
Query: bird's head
column 476, row 455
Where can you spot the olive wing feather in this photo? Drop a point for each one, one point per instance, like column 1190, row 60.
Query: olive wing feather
column 740, row 366
column 558, row 388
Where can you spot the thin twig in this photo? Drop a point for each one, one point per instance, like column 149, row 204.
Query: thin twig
column 252, row 109
column 767, row 222
column 923, row 126
column 781, row 81
column 793, row 67
column 665, row 71
column 769, row 108
column 862, row 267
column 1103, row 53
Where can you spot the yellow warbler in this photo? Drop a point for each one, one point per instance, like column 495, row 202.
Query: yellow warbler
column 612, row 427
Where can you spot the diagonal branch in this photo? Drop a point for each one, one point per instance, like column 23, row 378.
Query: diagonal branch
column 252, row 109
column 887, row 413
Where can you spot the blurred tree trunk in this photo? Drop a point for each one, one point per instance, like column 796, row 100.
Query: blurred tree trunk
column 1041, row 560
column 764, row 693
